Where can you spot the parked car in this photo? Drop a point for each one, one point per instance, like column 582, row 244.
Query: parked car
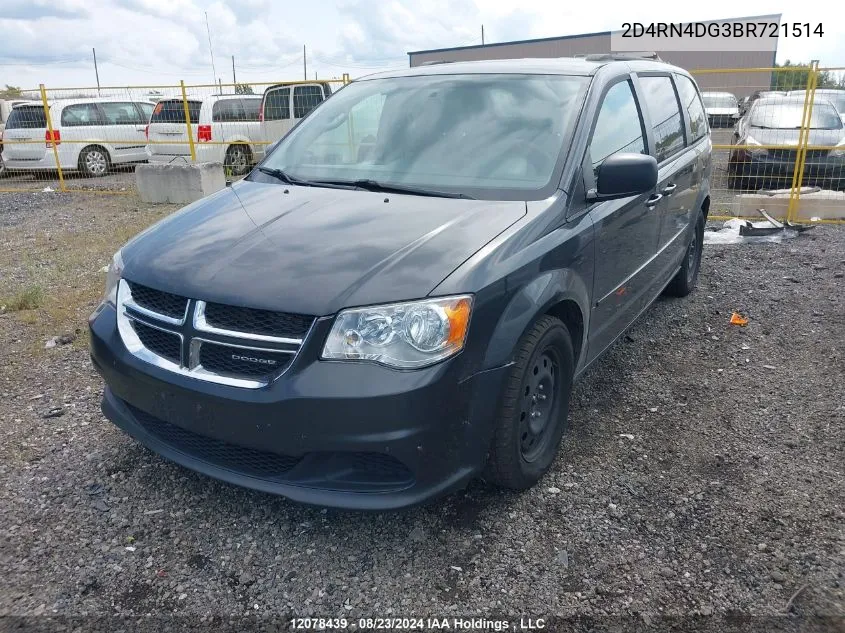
column 6, row 106
column 90, row 135
column 283, row 105
column 374, row 324
column 722, row 108
column 777, row 122
column 225, row 128
column 836, row 96
column 760, row 94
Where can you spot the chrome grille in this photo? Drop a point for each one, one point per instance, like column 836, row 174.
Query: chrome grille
column 156, row 328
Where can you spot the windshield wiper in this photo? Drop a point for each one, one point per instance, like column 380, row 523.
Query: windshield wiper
column 285, row 177
column 374, row 185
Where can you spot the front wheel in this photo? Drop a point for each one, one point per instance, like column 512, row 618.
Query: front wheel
column 684, row 281
column 534, row 409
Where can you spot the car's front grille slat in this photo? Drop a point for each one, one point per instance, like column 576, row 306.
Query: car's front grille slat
column 262, row 322
column 214, row 342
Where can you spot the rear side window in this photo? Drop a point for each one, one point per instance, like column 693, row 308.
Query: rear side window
column 277, row 104
column 26, row 117
column 692, row 102
column 305, row 99
column 173, row 111
column 235, row 110
column 81, row 114
column 120, row 113
column 618, row 127
column 666, row 120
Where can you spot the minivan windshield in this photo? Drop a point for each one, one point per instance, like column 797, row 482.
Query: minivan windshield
column 715, row 100
column 788, row 115
column 491, row 136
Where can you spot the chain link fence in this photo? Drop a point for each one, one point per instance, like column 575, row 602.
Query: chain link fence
column 778, row 135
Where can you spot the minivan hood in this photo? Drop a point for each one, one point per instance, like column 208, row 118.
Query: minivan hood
column 312, row 250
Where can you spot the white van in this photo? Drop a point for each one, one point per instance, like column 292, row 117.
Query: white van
column 225, row 130
column 90, row 135
column 284, row 105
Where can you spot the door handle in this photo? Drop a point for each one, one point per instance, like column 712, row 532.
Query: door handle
column 653, row 200
column 668, row 190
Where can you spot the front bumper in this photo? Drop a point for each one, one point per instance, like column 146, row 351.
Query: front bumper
column 818, row 170
column 348, row 435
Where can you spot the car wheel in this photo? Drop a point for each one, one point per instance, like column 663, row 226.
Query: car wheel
column 94, row 161
column 534, row 409
column 238, row 160
column 684, row 281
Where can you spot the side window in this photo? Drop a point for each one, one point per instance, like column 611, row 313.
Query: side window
column 81, row 114
column 251, row 108
column 305, row 98
column 618, row 126
column 666, row 120
column 117, row 113
column 226, row 111
column 692, row 102
column 146, row 110
column 277, row 104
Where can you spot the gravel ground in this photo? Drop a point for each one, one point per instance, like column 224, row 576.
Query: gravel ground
column 702, row 475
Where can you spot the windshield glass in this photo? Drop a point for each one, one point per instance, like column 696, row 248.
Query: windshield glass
column 769, row 114
column 489, row 136
column 718, row 100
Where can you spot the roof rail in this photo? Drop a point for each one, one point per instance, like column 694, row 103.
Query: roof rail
column 434, row 62
column 609, row 57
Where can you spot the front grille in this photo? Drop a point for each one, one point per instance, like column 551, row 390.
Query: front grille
column 791, row 155
column 235, row 361
column 231, row 456
column 264, row 322
column 158, row 301
column 164, row 344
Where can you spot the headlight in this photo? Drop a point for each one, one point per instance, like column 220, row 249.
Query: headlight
column 756, row 151
column 113, row 277
column 405, row 335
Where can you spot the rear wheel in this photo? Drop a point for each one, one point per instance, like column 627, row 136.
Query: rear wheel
column 94, row 161
column 534, row 410
column 238, row 160
column 684, row 281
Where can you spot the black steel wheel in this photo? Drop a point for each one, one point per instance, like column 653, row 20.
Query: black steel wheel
column 684, row 281
column 534, row 408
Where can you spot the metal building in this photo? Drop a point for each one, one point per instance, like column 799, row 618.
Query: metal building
column 741, row 84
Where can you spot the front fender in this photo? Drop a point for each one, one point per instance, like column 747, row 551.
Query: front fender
column 531, row 302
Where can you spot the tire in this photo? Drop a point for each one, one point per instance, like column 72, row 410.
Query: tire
column 238, row 160
column 94, row 161
column 684, row 281
column 524, row 446
column 735, row 179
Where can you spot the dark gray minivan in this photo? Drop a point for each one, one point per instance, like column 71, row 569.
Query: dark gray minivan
column 399, row 297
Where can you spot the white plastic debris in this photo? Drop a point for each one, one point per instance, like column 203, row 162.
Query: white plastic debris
column 47, row 190
column 729, row 233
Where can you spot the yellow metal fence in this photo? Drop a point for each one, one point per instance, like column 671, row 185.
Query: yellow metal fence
column 90, row 139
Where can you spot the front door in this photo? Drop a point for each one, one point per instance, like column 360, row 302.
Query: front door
column 626, row 230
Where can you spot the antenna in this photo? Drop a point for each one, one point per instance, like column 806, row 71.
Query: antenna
column 210, row 50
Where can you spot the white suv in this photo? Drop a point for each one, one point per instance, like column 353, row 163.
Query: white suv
column 225, row 129
column 90, row 135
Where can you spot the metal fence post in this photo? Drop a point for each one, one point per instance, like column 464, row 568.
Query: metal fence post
column 188, row 121
column 803, row 141
column 53, row 139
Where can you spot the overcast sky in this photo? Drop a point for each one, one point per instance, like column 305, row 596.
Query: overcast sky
column 162, row 41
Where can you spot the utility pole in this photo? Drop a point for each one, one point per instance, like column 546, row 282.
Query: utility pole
column 482, row 35
column 234, row 79
column 210, row 50
column 96, row 72
column 304, row 65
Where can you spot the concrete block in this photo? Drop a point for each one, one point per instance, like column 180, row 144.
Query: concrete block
column 813, row 203
column 178, row 183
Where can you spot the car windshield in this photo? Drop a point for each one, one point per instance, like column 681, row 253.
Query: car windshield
column 488, row 136
column 785, row 116
column 718, row 101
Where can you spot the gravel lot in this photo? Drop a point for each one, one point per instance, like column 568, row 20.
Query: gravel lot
column 703, row 473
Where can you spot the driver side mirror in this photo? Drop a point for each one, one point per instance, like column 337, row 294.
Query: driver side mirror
column 624, row 175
